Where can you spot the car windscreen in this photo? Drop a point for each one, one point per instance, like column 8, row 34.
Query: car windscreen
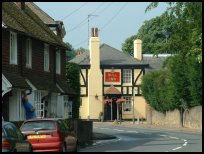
column 38, row 125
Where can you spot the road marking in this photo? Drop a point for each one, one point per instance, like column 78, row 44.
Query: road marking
column 132, row 131
column 177, row 148
column 173, row 137
column 162, row 135
column 104, row 128
column 185, row 143
column 184, row 140
column 119, row 130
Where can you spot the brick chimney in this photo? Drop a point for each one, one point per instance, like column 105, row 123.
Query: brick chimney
column 138, row 49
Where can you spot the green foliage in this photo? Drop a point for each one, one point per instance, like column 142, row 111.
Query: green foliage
column 70, row 53
column 73, row 79
column 177, row 30
column 158, row 90
column 194, row 75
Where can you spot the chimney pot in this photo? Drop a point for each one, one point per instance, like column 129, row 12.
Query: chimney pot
column 94, row 32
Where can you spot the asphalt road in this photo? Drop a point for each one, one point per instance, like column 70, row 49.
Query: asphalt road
column 133, row 139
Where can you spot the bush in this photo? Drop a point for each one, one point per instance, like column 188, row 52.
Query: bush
column 73, row 79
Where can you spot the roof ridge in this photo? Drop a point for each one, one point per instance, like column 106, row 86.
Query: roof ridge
column 33, row 4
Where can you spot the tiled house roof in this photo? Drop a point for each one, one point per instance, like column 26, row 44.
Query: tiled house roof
column 28, row 23
column 65, row 87
column 16, row 80
column 112, row 56
column 109, row 56
column 40, row 13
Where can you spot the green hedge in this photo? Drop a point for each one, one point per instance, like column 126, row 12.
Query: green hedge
column 73, row 79
column 178, row 85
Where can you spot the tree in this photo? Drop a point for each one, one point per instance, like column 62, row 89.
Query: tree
column 70, row 53
column 187, row 29
column 73, row 79
column 155, row 36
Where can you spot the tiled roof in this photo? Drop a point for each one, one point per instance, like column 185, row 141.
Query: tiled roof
column 154, row 62
column 29, row 23
column 16, row 80
column 108, row 56
column 43, row 84
column 65, row 87
column 112, row 90
column 40, row 13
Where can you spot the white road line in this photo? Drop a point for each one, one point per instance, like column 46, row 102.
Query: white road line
column 185, row 143
column 104, row 128
column 162, row 135
column 184, row 140
column 119, row 130
column 132, row 131
column 177, row 148
column 173, row 137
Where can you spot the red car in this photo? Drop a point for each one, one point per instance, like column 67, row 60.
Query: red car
column 49, row 135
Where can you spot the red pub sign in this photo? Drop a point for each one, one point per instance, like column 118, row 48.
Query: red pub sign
column 112, row 76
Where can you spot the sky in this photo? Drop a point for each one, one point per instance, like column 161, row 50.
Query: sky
column 116, row 21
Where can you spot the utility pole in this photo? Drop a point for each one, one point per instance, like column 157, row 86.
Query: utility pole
column 88, row 24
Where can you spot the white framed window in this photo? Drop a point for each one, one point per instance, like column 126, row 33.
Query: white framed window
column 58, row 62
column 13, row 48
column 46, row 57
column 127, row 105
column 39, row 105
column 28, row 53
column 127, row 76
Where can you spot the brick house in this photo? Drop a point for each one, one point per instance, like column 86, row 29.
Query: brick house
column 33, row 62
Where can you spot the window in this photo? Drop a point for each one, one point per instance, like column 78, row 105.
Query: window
column 127, row 76
column 127, row 105
column 13, row 48
column 28, row 53
column 39, row 105
column 46, row 57
column 58, row 62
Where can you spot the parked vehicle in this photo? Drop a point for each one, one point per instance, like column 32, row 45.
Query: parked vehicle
column 49, row 134
column 13, row 140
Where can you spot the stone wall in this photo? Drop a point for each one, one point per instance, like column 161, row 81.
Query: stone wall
column 191, row 118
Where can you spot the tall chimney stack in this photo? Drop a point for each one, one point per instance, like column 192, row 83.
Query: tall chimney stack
column 94, row 45
column 138, row 49
column 95, row 106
